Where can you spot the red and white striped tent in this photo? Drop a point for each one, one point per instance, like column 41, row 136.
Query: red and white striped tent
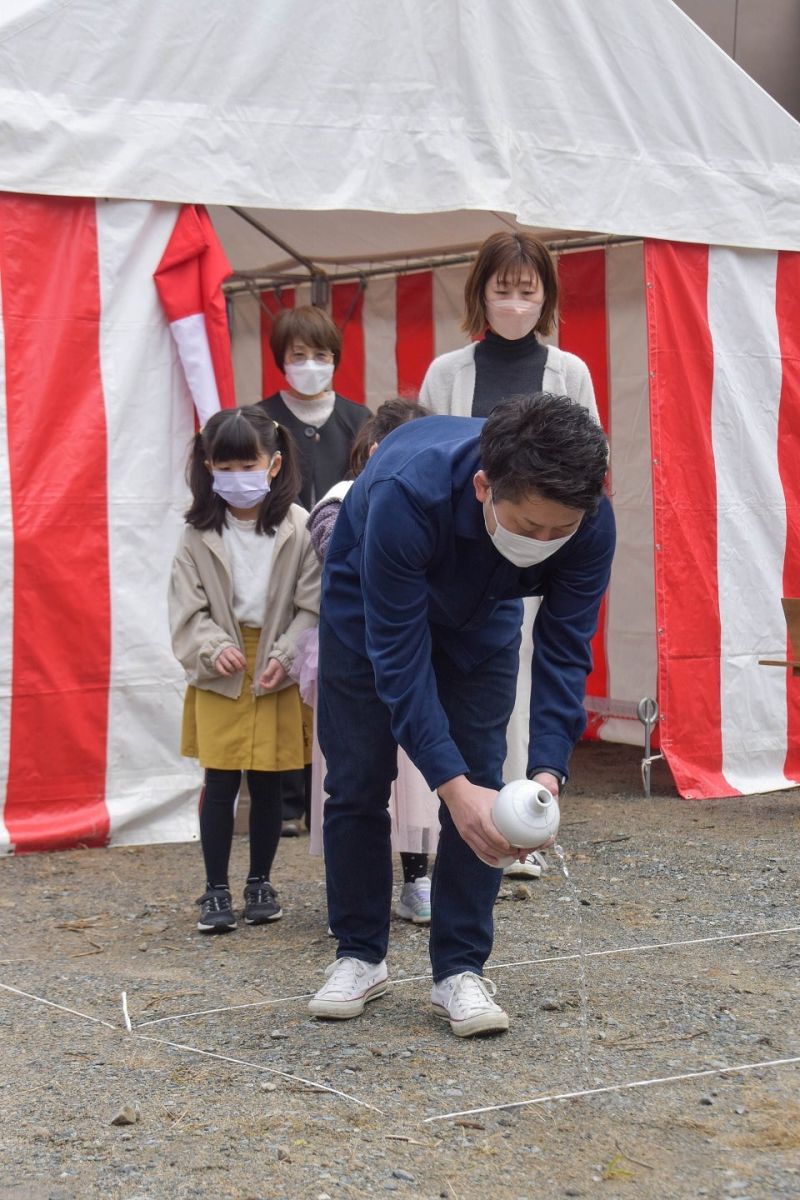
column 395, row 138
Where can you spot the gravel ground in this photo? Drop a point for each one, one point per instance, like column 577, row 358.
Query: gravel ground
column 81, row 927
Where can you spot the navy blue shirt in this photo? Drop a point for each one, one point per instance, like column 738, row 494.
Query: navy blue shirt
column 410, row 562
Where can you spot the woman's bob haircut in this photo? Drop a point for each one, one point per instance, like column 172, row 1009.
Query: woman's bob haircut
column 305, row 324
column 507, row 255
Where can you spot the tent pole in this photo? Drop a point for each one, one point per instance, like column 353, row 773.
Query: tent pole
column 295, row 254
column 245, row 281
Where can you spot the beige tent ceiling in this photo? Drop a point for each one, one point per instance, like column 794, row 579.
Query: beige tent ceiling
column 343, row 241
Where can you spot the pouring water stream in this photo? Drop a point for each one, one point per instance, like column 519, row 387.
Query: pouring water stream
column 584, row 998
column 525, row 813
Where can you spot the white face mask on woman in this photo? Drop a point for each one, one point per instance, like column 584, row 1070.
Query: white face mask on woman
column 520, row 550
column 309, row 378
column 513, row 319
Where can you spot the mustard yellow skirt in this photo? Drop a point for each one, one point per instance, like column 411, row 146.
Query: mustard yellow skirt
column 254, row 733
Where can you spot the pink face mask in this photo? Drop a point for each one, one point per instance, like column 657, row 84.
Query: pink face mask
column 512, row 319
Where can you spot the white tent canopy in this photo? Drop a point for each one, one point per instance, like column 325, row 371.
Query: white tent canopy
column 612, row 116
column 382, row 132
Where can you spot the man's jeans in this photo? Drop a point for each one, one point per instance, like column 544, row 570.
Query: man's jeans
column 356, row 739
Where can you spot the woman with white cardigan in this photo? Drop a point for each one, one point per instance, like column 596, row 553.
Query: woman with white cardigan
column 511, row 297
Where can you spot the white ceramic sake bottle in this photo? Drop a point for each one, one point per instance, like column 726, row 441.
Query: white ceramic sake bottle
column 526, row 813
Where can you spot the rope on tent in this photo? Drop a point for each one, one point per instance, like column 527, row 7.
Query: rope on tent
column 604, row 708
column 608, row 709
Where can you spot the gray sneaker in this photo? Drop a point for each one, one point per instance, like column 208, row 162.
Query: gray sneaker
column 465, row 1001
column 350, row 984
column 216, row 911
column 414, row 903
column 261, row 903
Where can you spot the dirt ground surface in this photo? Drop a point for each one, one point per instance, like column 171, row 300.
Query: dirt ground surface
column 217, row 1071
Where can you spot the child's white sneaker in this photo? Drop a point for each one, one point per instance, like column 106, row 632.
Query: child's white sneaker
column 465, row 1001
column 350, row 983
column 415, row 901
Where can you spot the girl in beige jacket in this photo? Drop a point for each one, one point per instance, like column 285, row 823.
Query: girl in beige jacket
column 245, row 583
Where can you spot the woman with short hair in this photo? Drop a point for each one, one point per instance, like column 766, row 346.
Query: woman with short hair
column 307, row 346
column 510, row 299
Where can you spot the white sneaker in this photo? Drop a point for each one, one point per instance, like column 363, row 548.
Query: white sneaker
column 531, row 868
column 465, row 1001
column 350, row 983
column 415, row 901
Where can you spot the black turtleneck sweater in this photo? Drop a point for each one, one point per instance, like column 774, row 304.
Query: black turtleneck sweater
column 506, row 368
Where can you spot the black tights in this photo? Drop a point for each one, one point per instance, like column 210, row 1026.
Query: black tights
column 216, row 822
column 414, row 865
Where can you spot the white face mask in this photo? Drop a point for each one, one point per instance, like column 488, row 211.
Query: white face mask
column 309, row 378
column 242, row 489
column 520, row 550
column 512, row 319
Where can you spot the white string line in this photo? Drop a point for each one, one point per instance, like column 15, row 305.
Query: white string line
column 464, row 1112
column 741, row 1067
column 527, row 962
column 202, row 1012
column 322, row 1087
column 615, row 1087
column 721, row 937
column 62, row 1007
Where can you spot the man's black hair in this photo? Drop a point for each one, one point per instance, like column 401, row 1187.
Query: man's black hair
column 548, row 445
